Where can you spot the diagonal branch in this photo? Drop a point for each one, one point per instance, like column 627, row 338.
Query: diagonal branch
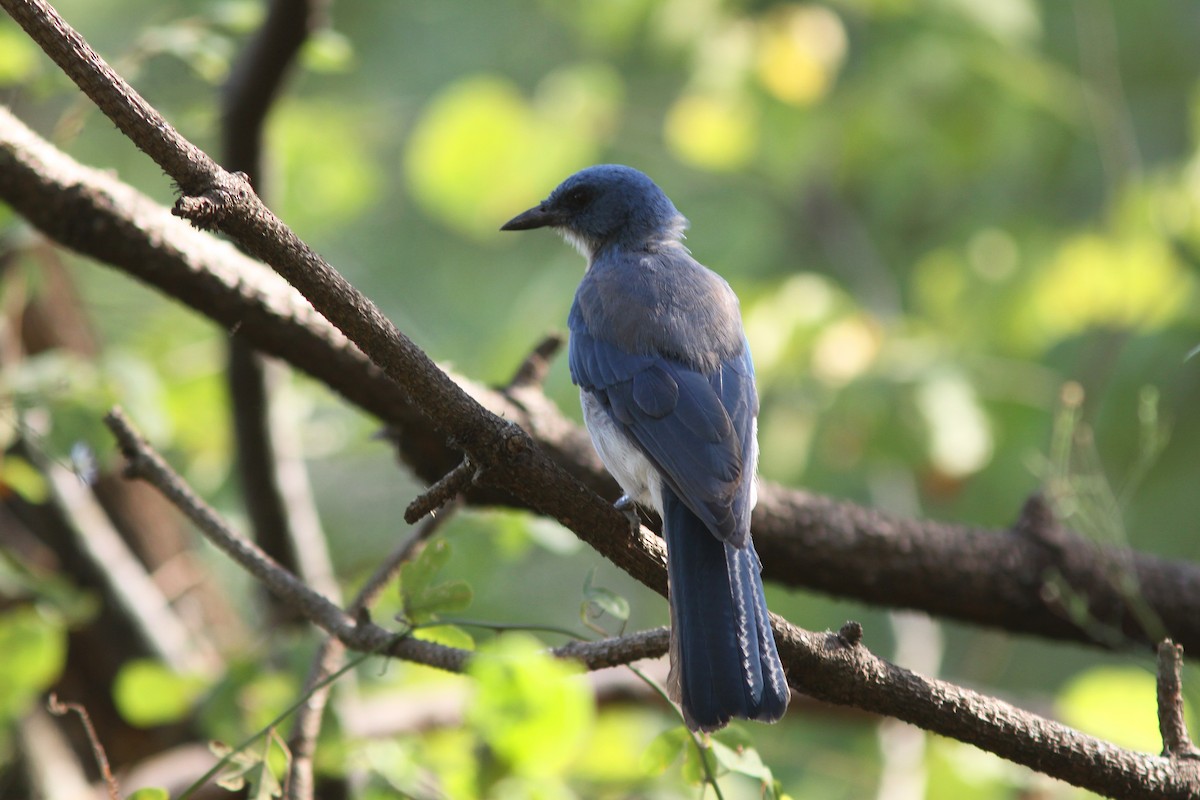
column 999, row 578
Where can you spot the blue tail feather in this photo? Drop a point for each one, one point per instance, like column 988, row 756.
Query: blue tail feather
column 726, row 662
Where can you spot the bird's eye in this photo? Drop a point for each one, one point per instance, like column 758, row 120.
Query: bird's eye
column 577, row 198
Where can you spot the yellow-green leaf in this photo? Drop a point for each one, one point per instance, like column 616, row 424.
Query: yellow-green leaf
column 532, row 710
column 149, row 693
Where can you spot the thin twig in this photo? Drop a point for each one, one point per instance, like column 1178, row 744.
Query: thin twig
column 147, row 465
column 58, row 708
column 269, row 727
column 1171, row 723
column 844, row 675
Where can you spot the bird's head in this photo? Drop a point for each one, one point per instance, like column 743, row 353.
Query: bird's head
column 605, row 205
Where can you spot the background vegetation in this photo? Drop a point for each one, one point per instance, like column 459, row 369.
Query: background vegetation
column 937, row 214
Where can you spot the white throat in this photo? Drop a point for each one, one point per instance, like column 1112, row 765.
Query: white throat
column 584, row 246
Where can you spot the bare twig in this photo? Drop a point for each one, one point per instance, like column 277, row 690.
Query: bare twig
column 58, row 709
column 128, row 585
column 145, row 464
column 442, row 492
column 1171, row 724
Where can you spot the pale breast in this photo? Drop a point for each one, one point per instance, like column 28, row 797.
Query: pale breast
column 637, row 476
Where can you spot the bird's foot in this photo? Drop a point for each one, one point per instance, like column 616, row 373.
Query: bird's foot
column 628, row 506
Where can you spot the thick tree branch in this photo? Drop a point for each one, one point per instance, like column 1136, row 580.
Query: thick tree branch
column 1001, row 578
column 850, row 675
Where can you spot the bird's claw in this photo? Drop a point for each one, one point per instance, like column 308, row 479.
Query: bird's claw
column 627, row 506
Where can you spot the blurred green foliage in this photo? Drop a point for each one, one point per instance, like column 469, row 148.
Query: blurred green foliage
column 937, row 213
column 147, row 693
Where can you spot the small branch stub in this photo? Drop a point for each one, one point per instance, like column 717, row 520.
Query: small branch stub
column 851, row 633
column 1171, row 723
column 223, row 200
column 442, row 492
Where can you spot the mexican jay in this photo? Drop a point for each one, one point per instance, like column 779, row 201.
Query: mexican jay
column 667, row 387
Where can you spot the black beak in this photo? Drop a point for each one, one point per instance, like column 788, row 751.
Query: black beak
column 537, row 217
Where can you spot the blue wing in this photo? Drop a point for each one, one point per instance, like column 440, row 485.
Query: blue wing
column 696, row 427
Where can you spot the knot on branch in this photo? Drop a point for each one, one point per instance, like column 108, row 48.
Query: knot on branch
column 851, row 633
column 229, row 195
column 1038, row 523
column 517, row 443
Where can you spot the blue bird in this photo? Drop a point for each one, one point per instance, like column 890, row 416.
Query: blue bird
column 667, row 388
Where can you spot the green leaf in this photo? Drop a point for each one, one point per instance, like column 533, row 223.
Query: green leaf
column 616, row 750
column 245, row 769
column 440, row 599
column 151, row 793
column 743, row 761
column 598, row 601
column 263, row 783
column 606, row 600
column 417, row 575
column 693, row 768
column 329, row 52
column 148, row 693
column 58, row 600
column 34, row 647
column 449, row 635
column 665, row 749
column 19, row 476
column 532, row 710
column 424, row 599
